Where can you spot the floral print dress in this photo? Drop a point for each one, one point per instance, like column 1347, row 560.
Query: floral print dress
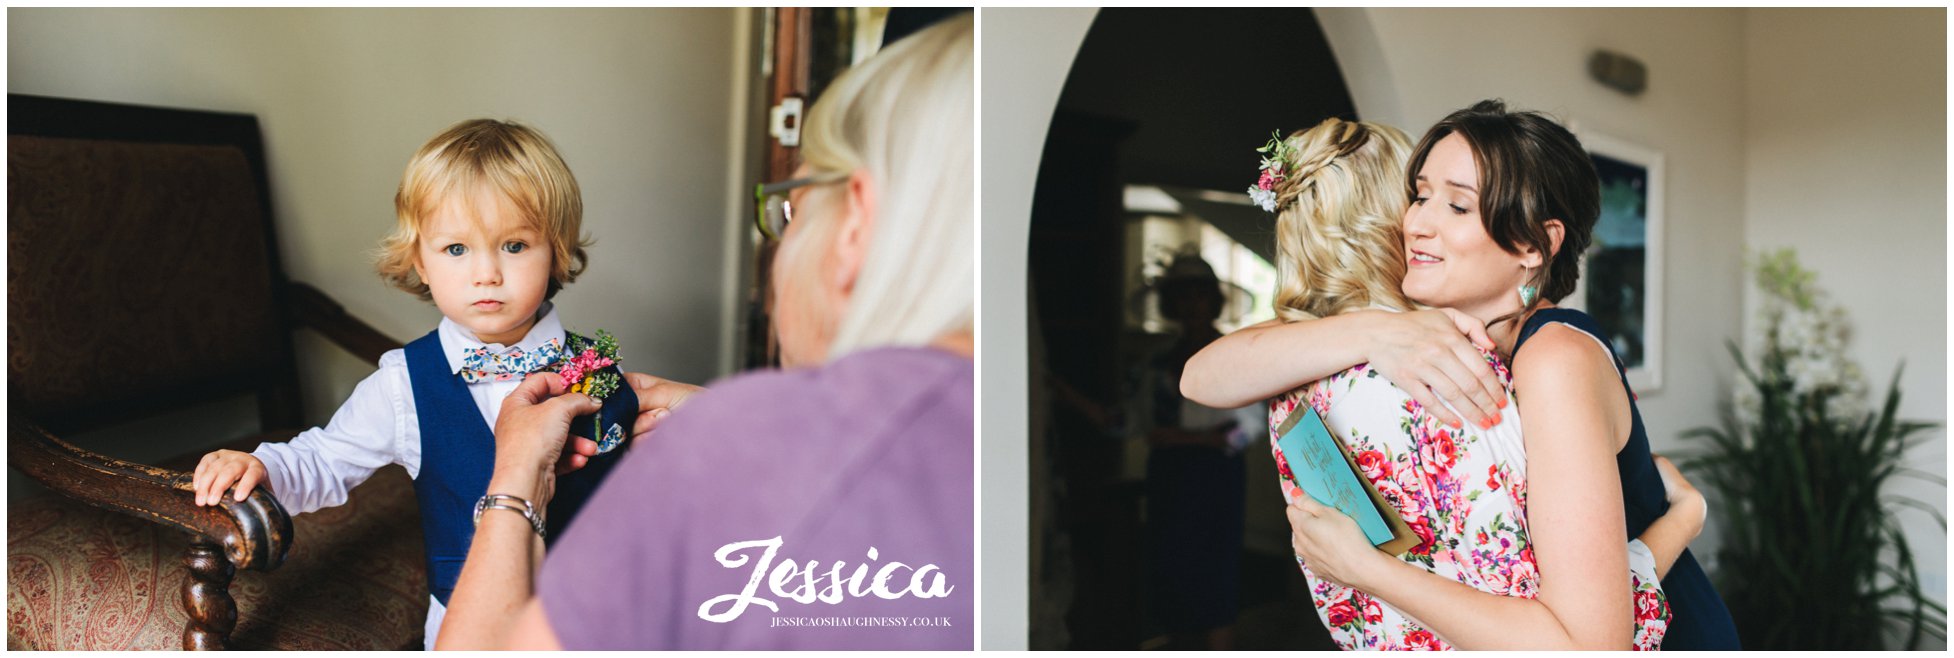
column 1462, row 491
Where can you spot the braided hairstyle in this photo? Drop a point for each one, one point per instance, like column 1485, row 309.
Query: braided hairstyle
column 1339, row 243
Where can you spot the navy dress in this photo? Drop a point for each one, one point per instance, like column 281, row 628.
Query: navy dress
column 1699, row 621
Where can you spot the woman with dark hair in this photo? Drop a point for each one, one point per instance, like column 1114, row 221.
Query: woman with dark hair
column 1501, row 206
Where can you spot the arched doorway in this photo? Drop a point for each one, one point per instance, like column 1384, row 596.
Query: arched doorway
column 1148, row 153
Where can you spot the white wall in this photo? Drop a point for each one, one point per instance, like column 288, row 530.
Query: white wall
column 1846, row 133
column 1410, row 67
column 1026, row 54
column 643, row 104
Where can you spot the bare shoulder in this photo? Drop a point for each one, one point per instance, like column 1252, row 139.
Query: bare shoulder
column 1568, row 380
column 1562, row 356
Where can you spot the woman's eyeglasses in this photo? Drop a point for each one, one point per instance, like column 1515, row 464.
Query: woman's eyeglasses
column 772, row 210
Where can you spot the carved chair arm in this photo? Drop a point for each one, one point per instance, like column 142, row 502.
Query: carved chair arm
column 255, row 533
column 312, row 308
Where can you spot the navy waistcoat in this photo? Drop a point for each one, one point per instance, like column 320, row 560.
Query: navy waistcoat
column 457, row 457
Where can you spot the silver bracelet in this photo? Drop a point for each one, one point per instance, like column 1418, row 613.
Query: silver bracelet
column 495, row 501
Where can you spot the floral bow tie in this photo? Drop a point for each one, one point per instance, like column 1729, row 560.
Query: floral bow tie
column 481, row 365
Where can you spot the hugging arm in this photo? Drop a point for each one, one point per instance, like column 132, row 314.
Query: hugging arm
column 1575, row 522
column 1669, row 534
column 1429, row 354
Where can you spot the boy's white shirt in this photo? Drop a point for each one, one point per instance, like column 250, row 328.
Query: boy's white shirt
column 378, row 426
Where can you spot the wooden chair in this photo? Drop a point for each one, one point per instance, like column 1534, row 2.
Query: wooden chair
column 143, row 277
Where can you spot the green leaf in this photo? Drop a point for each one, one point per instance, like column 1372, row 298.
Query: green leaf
column 1921, row 475
column 1917, row 504
column 1805, row 516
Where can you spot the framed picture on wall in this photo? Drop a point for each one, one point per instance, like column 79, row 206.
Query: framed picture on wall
column 1621, row 273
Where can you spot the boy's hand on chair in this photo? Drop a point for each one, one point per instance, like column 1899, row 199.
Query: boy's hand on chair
column 221, row 470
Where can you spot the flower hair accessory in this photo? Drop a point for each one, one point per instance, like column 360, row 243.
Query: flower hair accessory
column 1275, row 168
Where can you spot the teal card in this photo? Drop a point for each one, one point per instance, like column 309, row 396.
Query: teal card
column 1323, row 472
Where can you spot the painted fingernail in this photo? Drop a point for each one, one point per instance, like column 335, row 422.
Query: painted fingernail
column 1502, row 403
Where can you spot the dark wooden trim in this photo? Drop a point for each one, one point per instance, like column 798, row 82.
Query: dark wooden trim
column 793, row 37
column 255, row 533
column 793, row 31
column 312, row 308
column 207, row 598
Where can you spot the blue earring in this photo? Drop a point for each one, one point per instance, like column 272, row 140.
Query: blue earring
column 1528, row 294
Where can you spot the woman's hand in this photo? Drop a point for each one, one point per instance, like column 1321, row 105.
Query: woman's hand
column 530, row 433
column 1430, row 355
column 657, row 398
column 1331, row 543
column 1685, row 501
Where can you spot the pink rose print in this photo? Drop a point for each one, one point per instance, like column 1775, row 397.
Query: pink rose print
column 1438, row 451
column 1648, row 605
column 1342, row 613
column 1423, row 530
column 1320, row 398
column 1373, row 464
column 1458, row 494
column 1526, row 579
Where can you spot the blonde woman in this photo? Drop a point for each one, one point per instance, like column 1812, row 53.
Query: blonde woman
column 1337, row 190
column 824, row 506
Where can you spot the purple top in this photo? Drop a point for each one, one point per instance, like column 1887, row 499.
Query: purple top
column 850, row 484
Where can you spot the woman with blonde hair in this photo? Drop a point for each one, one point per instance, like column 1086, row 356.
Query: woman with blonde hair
column 824, row 506
column 1337, row 192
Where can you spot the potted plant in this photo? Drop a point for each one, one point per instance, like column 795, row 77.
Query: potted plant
column 1813, row 556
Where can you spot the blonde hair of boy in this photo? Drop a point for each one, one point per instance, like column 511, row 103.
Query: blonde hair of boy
column 905, row 116
column 508, row 158
column 1339, row 244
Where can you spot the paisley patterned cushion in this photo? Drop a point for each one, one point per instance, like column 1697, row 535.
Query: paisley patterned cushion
column 79, row 577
